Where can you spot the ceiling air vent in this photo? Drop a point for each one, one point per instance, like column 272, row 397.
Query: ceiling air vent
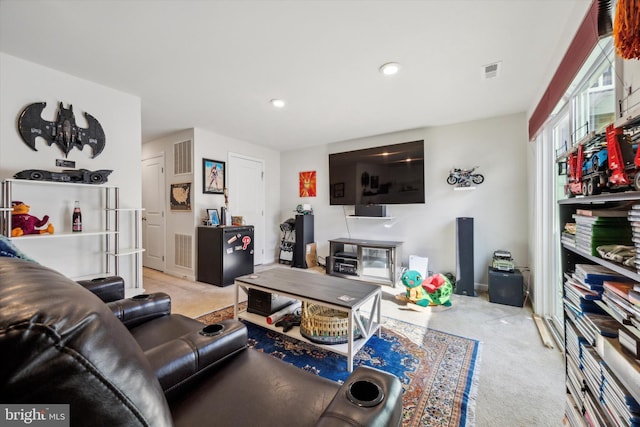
column 491, row 71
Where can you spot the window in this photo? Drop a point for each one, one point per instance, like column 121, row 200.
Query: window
column 587, row 106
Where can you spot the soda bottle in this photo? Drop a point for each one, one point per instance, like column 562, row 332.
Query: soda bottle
column 76, row 224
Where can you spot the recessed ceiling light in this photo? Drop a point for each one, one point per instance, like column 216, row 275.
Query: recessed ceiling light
column 278, row 103
column 390, row 68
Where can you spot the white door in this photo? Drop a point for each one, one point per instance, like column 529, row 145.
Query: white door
column 246, row 198
column 153, row 202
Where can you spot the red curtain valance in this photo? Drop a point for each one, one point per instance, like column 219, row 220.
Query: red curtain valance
column 580, row 48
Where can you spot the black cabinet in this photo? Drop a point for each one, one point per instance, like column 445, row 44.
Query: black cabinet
column 304, row 236
column 506, row 287
column 224, row 253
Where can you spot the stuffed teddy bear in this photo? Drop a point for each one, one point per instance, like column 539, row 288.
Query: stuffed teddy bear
column 412, row 280
column 22, row 223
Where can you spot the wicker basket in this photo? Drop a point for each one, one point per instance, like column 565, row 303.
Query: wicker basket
column 325, row 325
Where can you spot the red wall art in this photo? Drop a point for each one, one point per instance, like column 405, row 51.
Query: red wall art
column 308, row 184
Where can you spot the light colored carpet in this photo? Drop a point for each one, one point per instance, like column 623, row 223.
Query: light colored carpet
column 521, row 381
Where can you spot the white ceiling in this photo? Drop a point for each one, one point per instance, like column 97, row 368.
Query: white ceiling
column 216, row 64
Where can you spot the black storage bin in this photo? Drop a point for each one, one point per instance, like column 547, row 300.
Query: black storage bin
column 264, row 303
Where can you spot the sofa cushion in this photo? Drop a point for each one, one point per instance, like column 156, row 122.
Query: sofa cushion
column 66, row 346
column 255, row 389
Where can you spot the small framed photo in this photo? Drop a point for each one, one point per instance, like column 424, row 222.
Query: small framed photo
column 180, row 197
column 214, row 219
column 213, row 176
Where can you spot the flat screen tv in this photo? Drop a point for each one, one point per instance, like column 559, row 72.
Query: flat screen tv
column 391, row 174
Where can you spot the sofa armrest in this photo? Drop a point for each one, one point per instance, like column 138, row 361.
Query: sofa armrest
column 369, row 397
column 141, row 308
column 179, row 361
column 108, row 289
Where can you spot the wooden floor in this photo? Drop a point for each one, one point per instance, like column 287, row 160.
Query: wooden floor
column 192, row 299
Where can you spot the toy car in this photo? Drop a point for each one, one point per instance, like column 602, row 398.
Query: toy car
column 502, row 261
column 68, row 175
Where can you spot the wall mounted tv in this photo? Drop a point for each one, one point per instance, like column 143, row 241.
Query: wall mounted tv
column 391, row 174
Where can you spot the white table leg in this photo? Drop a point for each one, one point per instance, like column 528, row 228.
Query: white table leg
column 350, row 342
column 235, row 302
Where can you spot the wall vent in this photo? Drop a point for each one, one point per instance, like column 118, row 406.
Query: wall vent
column 182, row 158
column 491, row 71
column 184, row 255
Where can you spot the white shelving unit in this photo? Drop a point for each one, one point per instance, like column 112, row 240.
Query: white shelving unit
column 105, row 212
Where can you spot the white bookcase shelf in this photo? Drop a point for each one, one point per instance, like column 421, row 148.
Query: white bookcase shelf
column 106, row 217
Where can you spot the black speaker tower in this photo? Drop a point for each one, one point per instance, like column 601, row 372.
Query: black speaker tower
column 464, row 257
column 304, row 236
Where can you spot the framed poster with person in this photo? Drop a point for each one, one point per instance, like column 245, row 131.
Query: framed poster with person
column 213, row 176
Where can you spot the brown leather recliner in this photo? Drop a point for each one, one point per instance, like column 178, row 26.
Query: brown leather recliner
column 62, row 344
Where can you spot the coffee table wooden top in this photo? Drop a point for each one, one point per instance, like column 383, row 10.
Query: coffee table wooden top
column 320, row 287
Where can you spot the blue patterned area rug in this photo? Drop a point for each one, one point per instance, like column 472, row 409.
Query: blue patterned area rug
column 438, row 371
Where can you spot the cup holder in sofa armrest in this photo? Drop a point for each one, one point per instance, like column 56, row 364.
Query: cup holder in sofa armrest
column 141, row 297
column 369, row 397
column 365, row 393
column 212, row 330
column 179, row 361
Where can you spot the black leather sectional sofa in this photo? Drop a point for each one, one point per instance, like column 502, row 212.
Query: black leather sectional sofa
column 131, row 362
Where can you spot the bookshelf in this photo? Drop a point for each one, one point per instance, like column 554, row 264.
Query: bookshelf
column 602, row 377
column 100, row 244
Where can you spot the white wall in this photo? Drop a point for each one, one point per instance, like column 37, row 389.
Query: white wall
column 23, row 83
column 499, row 206
column 630, row 87
column 217, row 147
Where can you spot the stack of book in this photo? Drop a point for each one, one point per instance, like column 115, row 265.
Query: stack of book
column 621, row 407
column 616, row 407
column 621, row 301
column 634, row 221
column 582, row 291
column 575, row 379
column 630, row 341
column 568, row 236
column 601, row 227
column 616, row 297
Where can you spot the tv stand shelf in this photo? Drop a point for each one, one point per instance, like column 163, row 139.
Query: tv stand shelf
column 375, row 261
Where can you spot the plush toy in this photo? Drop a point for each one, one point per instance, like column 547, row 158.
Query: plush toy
column 434, row 290
column 439, row 289
column 412, row 280
column 22, row 223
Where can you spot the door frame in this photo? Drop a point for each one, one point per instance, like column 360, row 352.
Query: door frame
column 162, row 157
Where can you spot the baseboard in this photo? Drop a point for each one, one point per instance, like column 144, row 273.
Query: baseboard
column 481, row 287
column 181, row 275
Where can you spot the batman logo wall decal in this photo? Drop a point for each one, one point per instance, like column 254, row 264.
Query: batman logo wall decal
column 63, row 132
